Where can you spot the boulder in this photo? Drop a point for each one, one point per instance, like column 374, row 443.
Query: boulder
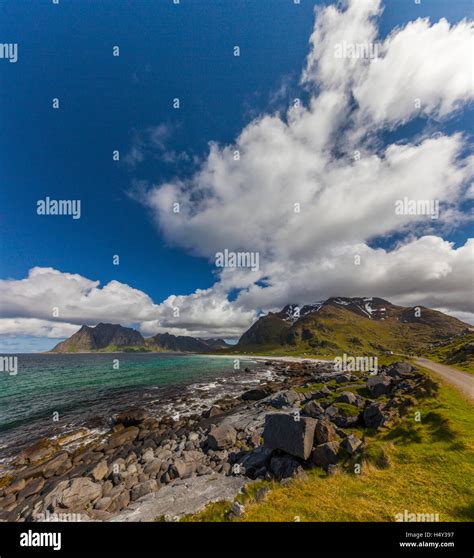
column 32, row 487
column 119, row 501
column 222, row 437
column 343, row 378
column 351, row 443
column 143, row 489
column 326, row 454
column 152, row 468
column 322, row 393
column 324, row 432
column 182, row 469
column 123, row 437
column 286, row 398
column 255, row 460
column 75, row 494
column 214, row 411
column 103, row 503
column 284, row 466
column 39, row 451
column 379, row 385
column 340, row 417
column 256, row 394
column 147, row 455
column 14, row 487
column 400, row 369
column 313, row 409
column 347, row 397
column 237, row 509
column 100, row 470
column 284, row 432
column 374, row 416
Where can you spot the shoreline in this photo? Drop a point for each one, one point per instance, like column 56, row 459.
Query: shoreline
column 145, row 467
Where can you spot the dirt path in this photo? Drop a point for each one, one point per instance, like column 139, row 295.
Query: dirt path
column 461, row 380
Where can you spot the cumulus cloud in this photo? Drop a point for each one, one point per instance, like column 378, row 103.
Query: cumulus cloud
column 49, row 303
column 309, row 190
column 431, row 66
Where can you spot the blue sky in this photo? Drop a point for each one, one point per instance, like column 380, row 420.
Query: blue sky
column 107, row 102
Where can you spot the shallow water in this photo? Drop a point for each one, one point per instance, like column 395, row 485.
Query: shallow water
column 86, row 389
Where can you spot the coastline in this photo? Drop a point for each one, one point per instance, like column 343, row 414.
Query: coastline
column 208, row 447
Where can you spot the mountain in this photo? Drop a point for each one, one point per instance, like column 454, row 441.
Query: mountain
column 216, row 344
column 185, row 344
column 102, row 336
column 361, row 325
column 109, row 337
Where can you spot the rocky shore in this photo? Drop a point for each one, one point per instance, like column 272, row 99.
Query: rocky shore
column 302, row 415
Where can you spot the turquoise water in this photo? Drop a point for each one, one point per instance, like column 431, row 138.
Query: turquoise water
column 82, row 386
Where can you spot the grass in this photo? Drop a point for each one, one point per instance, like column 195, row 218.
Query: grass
column 455, row 353
column 421, row 467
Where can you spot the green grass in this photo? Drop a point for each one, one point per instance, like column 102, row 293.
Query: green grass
column 454, row 353
column 421, row 467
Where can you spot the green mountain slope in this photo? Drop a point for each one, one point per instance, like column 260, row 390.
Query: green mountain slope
column 365, row 326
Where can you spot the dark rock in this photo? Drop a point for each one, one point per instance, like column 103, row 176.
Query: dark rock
column 322, row 393
column 347, row 397
column 379, row 385
column 284, row 466
column 131, row 417
column 343, row 378
column 255, row 460
column 285, row 398
column 400, row 369
column 351, row 443
column 292, row 436
column 324, row 432
column 313, row 409
column 374, row 416
column 256, row 394
column 325, row 454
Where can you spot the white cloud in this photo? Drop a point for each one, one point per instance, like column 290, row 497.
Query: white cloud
column 49, row 303
column 345, row 200
column 36, row 328
column 431, row 63
column 308, row 157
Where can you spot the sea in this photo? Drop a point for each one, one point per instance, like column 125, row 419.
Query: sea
column 52, row 394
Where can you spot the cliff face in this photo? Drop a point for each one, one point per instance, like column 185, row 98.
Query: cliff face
column 100, row 337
